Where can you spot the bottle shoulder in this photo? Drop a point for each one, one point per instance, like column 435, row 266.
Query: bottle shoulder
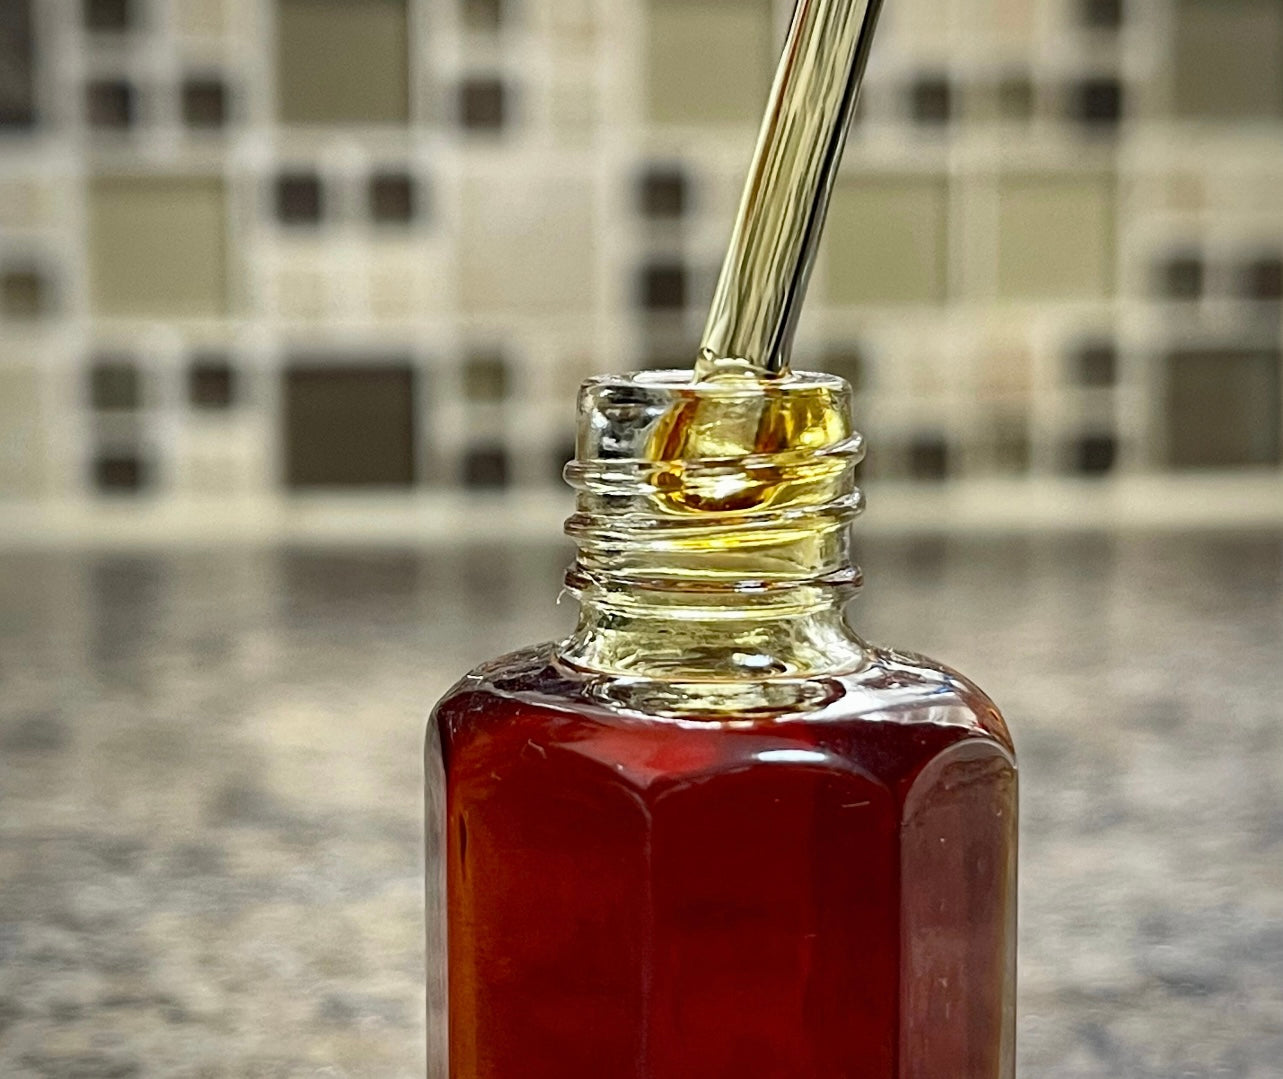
column 892, row 687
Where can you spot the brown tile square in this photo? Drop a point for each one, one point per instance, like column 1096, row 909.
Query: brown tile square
column 1102, row 14
column 115, row 386
column 485, row 377
column 110, row 104
column 1222, row 408
column 663, row 193
column 1262, row 278
column 1095, row 455
column 107, row 16
column 349, row 425
column 299, row 198
column 25, row 293
column 664, row 287
column 211, row 383
column 120, row 473
column 205, row 103
column 1096, row 364
column 393, row 197
column 17, row 65
column 483, row 104
column 1098, row 102
column 931, row 100
column 1181, row 277
column 929, row 458
column 485, row 467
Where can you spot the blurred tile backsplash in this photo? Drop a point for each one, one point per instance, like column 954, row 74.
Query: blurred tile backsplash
column 264, row 260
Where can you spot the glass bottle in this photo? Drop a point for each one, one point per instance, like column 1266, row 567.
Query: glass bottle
column 714, row 833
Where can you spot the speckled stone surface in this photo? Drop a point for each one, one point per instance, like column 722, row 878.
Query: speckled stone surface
column 210, row 790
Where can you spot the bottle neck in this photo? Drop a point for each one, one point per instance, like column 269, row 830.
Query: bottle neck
column 713, row 528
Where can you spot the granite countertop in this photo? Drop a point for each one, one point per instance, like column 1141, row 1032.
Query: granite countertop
column 210, row 790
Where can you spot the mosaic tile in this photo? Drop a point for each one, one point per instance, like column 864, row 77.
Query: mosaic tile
column 483, row 104
column 888, row 240
column 157, row 246
column 1222, row 408
column 202, row 18
column 663, row 193
column 342, row 62
column 1095, row 455
column 17, row 66
column 300, row 198
column 1181, row 277
column 393, row 198
column 24, row 460
column 1262, row 278
column 349, row 425
column 485, row 467
column 1056, row 236
column 205, row 103
column 708, row 61
column 110, row 103
column 26, row 293
column 110, row 16
column 527, row 250
column 1096, row 364
column 1227, row 61
column 119, row 473
column 115, row 385
column 485, row 377
column 211, row 383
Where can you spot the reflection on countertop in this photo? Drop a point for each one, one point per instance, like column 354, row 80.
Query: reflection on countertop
column 210, row 789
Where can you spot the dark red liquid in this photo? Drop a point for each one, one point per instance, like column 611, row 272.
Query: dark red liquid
column 827, row 896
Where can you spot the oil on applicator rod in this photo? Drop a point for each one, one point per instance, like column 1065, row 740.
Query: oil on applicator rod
column 786, row 198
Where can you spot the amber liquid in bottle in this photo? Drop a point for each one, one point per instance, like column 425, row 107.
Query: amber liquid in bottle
column 715, row 834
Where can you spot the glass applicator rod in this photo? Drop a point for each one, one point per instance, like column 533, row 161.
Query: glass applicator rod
column 786, row 198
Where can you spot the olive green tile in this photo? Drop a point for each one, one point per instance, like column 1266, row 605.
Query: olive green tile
column 1228, row 59
column 343, row 61
column 887, row 240
column 157, row 247
column 1056, row 237
column 1222, row 408
column 708, row 60
column 23, row 465
column 349, row 424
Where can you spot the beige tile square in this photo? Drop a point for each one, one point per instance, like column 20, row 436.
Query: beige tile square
column 343, row 61
column 398, row 280
column 302, row 292
column 888, row 240
column 201, row 18
column 25, row 204
column 1228, row 59
column 23, row 462
column 1056, row 237
column 527, row 246
column 709, row 60
column 158, row 246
